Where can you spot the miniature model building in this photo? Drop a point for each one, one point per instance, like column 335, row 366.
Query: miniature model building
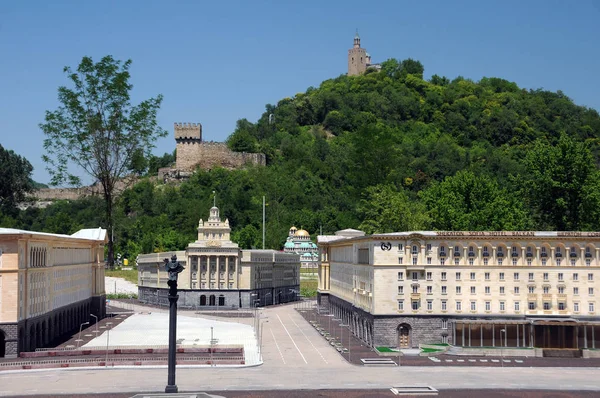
column 469, row 289
column 218, row 274
column 49, row 286
column 298, row 241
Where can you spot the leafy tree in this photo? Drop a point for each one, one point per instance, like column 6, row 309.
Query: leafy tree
column 386, row 209
column 242, row 141
column 158, row 162
column 98, row 130
column 469, row 202
column 138, row 164
column 15, row 174
column 559, row 183
column 248, row 237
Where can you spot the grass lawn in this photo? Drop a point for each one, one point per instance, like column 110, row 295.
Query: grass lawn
column 307, row 271
column 308, row 287
column 128, row 275
column 385, row 349
column 431, row 350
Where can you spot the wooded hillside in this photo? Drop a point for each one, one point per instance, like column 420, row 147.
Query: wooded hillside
column 382, row 152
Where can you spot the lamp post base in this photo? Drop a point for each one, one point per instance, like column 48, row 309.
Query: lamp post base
column 171, row 389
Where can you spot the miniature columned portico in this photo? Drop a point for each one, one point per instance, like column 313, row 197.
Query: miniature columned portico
column 215, row 270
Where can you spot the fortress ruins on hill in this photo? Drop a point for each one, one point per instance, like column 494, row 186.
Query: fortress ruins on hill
column 193, row 153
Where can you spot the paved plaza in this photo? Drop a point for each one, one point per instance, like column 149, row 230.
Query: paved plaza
column 296, row 357
column 151, row 329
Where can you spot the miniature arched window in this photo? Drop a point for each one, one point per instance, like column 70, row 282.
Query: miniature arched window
column 212, row 300
column 486, row 251
column 558, row 252
column 515, row 251
column 500, row 252
column 203, row 300
column 457, row 251
column 221, row 300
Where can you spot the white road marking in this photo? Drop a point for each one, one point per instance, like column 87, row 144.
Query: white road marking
column 288, row 333
column 309, row 340
column 277, row 345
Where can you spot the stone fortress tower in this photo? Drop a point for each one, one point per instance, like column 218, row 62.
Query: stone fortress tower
column 193, row 152
column 359, row 59
column 188, row 137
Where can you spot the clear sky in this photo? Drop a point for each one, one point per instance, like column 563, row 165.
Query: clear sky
column 218, row 61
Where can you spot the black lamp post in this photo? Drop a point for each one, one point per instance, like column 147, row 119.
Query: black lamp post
column 173, row 268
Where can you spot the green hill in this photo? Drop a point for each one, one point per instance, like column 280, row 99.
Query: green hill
column 384, row 152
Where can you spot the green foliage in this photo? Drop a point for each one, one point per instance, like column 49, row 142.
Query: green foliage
column 248, row 237
column 308, row 287
column 561, row 184
column 385, row 152
column 158, row 162
column 15, row 177
column 121, row 296
column 129, row 275
column 466, row 202
column 96, row 130
column 387, row 210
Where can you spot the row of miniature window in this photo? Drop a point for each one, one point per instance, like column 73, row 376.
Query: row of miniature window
column 532, row 305
column 500, row 251
column 212, row 285
column 500, row 261
column 473, row 276
column 487, row 290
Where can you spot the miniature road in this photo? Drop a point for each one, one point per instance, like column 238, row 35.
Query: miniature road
column 295, row 357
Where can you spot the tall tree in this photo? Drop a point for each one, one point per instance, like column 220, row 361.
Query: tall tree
column 386, row 209
column 558, row 183
column 466, row 202
column 98, row 130
column 15, row 179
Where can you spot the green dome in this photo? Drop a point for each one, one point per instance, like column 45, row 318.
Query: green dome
column 289, row 245
column 304, row 245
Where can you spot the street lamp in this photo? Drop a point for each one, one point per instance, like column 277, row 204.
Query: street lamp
column 329, row 327
column 341, row 333
column 256, row 302
column 79, row 338
column 108, row 324
column 96, row 323
column 502, row 343
column 173, row 268
column 269, row 294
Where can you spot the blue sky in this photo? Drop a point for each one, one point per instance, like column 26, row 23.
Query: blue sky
column 219, row 61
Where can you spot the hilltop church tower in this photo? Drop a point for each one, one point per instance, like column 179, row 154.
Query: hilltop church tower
column 359, row 59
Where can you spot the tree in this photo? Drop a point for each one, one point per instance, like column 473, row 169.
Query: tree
column 467, row 202
column 386, row 209
column 247, row 237
column 242, row 141
column 15, row 174
column 98, row 130
column 558, row 183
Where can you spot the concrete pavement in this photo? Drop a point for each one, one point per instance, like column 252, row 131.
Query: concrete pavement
column 295, row 357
